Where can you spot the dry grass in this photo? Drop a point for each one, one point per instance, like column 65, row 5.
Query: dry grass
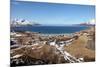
column 79, row 50
column 46, row 53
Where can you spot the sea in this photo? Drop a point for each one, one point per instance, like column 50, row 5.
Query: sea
column 50, row 29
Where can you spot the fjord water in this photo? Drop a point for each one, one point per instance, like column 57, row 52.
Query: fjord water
column 50, row 29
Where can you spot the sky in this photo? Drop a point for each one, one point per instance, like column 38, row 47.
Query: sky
column 52, row 13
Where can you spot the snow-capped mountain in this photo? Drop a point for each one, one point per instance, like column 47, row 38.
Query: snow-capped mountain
column 22, row 22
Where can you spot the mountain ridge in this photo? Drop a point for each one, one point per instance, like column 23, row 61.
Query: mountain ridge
column 23, row 22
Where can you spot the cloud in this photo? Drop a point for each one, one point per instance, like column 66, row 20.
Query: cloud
column 92, row 21
column 84, row 2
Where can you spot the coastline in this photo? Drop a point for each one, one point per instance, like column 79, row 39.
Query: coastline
column 46, row 46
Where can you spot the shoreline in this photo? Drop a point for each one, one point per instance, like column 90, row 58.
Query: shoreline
column 64, row 46
column 59, row 32
column 56, row 34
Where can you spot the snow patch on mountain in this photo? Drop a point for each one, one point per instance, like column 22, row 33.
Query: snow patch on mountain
column 22, row 22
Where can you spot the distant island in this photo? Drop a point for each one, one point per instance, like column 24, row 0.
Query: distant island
column 86, row 24
column 24, row 22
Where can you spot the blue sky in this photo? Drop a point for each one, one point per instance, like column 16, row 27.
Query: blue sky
column 50, row 13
